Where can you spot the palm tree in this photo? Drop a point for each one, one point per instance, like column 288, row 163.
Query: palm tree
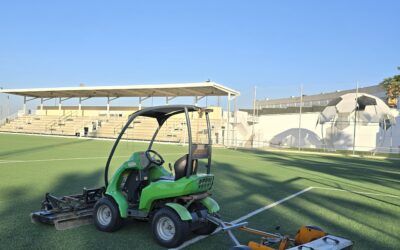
column 392, row 88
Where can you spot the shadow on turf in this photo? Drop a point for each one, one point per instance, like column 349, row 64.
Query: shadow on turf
column 248, row 188
column 238, row 189
column 17, row 231
column 383, row 173
column 39, row 148
column 348, row 169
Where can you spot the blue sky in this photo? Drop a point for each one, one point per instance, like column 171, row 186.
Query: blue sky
column 274, row 45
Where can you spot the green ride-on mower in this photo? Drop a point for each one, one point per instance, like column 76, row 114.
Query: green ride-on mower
column 143, row 189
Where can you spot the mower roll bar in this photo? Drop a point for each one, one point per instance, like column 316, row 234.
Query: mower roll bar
column 163, row 113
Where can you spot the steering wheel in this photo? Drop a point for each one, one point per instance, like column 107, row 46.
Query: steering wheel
column 154, row 157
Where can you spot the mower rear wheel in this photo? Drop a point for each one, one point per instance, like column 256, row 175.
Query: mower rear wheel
column 106, row 215
column 168, row 228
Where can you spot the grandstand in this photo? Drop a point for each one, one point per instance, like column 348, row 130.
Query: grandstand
column 276, row 123
column 107, row 121
column 95, row 124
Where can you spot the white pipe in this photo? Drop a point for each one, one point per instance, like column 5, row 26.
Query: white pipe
column 301, row 106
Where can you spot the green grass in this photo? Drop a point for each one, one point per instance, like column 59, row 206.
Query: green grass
column 245, row 181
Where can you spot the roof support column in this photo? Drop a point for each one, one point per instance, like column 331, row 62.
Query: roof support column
column 80, row 113
column 24, row 107
column 108, row 105
column 234, row 135
column 141, row 99
column 197, row 99
column 42, row 100
column 59, row 106
column 60, row 100
column 169, row 98
column 80, row 106
column 25, row 101
column 228, row 129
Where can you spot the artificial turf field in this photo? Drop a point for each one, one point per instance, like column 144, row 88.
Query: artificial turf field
column 245, row 181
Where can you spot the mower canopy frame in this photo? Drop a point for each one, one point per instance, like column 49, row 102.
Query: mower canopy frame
column 162, row 114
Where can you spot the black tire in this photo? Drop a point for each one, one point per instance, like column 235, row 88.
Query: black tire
column 207, row 227
column 163, row 223
column 106, row 215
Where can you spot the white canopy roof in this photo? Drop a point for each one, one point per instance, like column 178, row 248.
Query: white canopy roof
column 157, row 90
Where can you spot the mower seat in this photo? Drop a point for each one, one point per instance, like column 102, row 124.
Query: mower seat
column 181, row 165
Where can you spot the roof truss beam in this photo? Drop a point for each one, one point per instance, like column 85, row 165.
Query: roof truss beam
column 110, row 99
column 45, row 99
column 169, row 98
column 141, row 99
column 64, row 99
column 81, row 99
column 30, row 99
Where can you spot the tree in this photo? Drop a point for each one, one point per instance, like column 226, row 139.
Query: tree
column 392, row 88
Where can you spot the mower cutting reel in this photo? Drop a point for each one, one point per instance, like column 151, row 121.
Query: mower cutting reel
column 68, row 211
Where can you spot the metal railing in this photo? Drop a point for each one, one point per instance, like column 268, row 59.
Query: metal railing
column 321, row 147
column 9, row 118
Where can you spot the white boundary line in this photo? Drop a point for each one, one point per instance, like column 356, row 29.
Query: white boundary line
column 92, row 138
column 334, row 154
column 357, row 192
column 271, row 205
column 57, row 159
column 369, row 157
column 262, row 209
column 69, row 159
column 198, row 238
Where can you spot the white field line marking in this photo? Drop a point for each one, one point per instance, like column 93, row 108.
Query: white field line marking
column 91, row 138
column 58, row 159
column 198, row 238
column 70, row 159
column 357, row 192
column 271, row 205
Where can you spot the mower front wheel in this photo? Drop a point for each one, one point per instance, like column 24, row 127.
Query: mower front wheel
column 168, row 228
column 106, row 215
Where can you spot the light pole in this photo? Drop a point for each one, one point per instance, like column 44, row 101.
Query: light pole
column 355, row 121
column 253, row 119
column 301, row 106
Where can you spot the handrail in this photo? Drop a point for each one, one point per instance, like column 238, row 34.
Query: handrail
column 119, row 126
column 61, row 119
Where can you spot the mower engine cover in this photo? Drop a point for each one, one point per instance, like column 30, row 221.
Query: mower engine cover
column 328, row 242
